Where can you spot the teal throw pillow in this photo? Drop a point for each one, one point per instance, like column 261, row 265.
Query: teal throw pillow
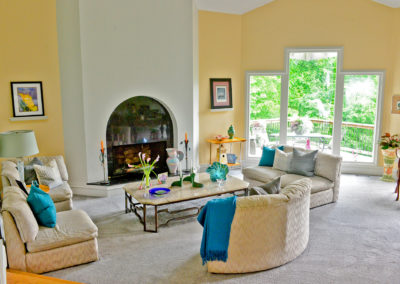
column 42, row 207
column 268, row 156
column 303, row 163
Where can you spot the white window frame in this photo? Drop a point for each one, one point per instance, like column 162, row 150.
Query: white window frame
column 378, row 116
column 338, row 107
column 253, row 160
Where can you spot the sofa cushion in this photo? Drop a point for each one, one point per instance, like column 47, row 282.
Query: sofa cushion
column 327, row 166
column 303, row 163
column 14, row 201
column 262, row 174
column 73, row 226
column 42, row 206
column 268, row 156
column 317, row 183
column 61, row 193
column 282, row 160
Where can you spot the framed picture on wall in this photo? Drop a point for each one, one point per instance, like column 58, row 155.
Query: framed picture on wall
column 221, row 93
column 27, row 99
column 396, row 104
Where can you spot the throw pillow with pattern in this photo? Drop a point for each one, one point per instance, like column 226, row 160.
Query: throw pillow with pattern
column 48, row 175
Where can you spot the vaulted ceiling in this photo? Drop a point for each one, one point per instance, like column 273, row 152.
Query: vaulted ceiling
column 244, row 6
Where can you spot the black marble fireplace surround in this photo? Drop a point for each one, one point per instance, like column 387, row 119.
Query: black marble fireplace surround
column 139, row 124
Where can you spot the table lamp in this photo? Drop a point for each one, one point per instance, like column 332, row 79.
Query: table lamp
column 18, row 144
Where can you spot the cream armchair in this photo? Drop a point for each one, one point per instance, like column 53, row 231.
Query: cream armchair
column 62, row 194
column 268, row 230
column 34, row 248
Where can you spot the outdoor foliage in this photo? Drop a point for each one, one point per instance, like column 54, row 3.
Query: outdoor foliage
column 312, row 85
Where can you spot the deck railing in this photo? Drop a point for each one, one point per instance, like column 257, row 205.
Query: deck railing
column 356, row 137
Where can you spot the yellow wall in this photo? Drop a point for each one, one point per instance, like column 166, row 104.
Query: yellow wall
column 364, row 28
column 395, row 118
column 220, row 52
column 28, row 52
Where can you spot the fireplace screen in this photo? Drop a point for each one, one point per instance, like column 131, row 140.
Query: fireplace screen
column 139, row 124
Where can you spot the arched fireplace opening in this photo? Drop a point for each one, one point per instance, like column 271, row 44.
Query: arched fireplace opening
column 139, row 124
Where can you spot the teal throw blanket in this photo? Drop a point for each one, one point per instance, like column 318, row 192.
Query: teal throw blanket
column 216, row 218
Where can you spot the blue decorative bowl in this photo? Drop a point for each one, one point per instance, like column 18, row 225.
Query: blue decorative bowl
column 158, row 191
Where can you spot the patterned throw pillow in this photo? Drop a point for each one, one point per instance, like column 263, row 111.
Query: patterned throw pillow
column 48, row 175
column 282, row 160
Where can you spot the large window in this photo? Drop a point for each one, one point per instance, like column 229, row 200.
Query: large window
column 313, row 104
column 264, row 103
column 312, row 88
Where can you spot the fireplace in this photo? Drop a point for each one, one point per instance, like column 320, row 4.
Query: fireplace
column 139, row 124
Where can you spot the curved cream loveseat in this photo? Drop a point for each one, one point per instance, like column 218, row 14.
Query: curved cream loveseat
column 268, row 230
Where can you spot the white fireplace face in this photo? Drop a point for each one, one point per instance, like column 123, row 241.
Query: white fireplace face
column 111, row 51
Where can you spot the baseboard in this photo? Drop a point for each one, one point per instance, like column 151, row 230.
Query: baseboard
column 370, row 170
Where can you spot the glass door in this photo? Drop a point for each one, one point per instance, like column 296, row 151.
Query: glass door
column 360, row 117
column 264, row 99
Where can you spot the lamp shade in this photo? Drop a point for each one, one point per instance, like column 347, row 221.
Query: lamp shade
column 18, row 144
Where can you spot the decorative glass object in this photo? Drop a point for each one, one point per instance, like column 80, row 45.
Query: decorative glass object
column 217, row 171
column 231, row 132
column 147, row 167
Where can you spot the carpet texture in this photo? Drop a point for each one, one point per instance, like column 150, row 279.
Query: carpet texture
column 356, row 240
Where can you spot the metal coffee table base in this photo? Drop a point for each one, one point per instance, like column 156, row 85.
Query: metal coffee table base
column 140, row 210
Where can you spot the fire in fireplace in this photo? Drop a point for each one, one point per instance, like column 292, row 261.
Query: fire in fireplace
column 139, row 124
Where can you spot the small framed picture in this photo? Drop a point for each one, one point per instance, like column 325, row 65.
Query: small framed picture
column 396, row 104
column 221, row 93
column 27, row 99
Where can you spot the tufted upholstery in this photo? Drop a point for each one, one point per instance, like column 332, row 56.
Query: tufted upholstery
column 268, row 230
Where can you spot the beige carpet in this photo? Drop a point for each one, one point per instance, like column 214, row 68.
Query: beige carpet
column 356, row 240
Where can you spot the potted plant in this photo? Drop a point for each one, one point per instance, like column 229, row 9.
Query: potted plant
column 389, row 144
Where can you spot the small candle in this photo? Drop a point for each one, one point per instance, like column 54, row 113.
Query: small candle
column 102, row 146
column 186, row 140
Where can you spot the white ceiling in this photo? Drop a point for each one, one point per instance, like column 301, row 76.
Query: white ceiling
column 390, row 3
column 231, row 6
column 244, row 6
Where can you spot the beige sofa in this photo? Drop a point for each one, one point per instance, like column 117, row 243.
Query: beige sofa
column 325, row 182
column 267, row 230
column 61, row 195
column 39, row 249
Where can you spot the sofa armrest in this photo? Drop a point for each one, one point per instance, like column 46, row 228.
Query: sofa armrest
column 330, row 167
column 14, row 245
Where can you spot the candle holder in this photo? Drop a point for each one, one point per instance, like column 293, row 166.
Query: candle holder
column 187, row 149
column 103, row 164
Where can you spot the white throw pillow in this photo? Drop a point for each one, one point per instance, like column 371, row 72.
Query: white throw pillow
column 282, row 160
column 48, row 175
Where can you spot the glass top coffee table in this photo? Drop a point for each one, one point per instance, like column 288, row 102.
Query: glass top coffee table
column 137, row 200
